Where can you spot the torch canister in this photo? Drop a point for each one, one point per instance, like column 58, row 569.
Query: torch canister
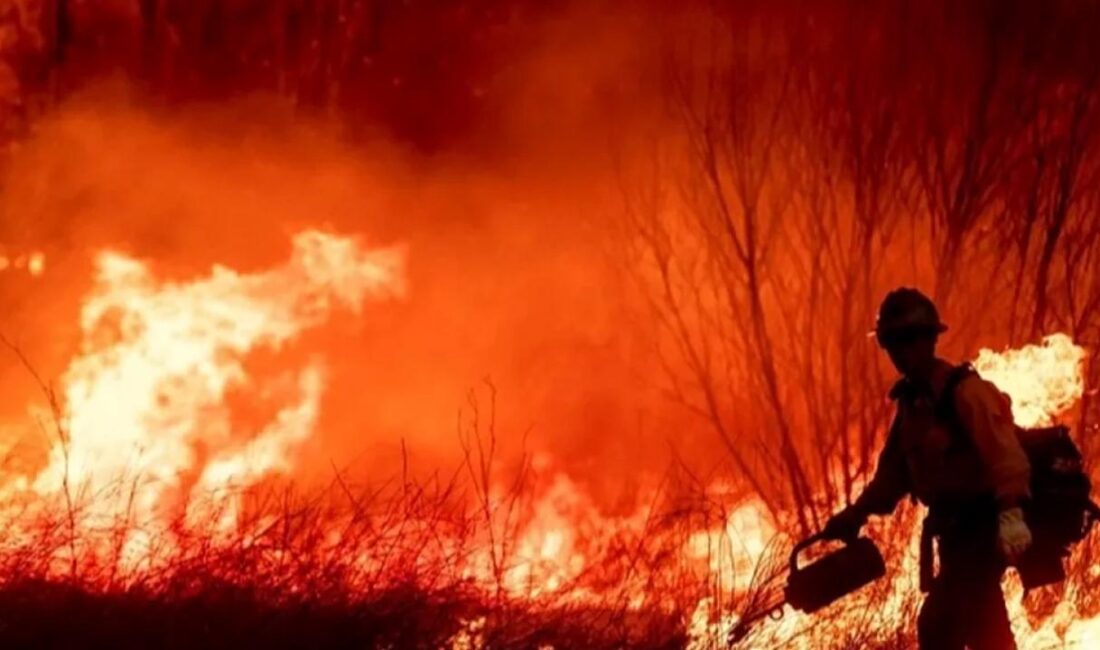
column 833, row 575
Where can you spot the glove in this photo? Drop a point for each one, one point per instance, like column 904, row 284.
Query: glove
column 1013, row 535
column 845, row 524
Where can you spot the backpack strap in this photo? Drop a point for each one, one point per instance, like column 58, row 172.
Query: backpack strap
column 945, row 408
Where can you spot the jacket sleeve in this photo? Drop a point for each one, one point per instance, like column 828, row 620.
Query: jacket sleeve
column 890, row 482
column 986, row 413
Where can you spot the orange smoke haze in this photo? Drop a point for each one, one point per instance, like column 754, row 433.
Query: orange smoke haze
column 511, row 274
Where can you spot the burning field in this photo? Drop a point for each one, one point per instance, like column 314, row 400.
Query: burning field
column 508, row 324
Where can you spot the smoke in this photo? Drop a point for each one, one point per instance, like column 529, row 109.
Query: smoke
column 515, row 294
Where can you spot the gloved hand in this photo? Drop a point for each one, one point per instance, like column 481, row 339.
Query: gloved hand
column 1013, row 535
column 844, row 524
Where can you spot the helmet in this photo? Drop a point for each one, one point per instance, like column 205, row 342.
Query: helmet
column 906, row 311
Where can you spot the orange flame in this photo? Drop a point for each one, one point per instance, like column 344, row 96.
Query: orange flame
column 1044, row 381
column 145, row 423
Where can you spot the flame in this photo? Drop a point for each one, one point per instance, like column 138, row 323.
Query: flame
column 547, row 554
column 145, row 423
column 733, row 551
column 470, row 636
column 1044, row 380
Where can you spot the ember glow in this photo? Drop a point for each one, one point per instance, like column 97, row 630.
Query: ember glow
column 33, row 264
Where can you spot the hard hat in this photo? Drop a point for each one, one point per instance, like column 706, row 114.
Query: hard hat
column 906, row 311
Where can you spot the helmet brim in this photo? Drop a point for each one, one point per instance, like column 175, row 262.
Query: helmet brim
column 939, row 328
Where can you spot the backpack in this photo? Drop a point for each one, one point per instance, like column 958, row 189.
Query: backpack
column 1060, row 512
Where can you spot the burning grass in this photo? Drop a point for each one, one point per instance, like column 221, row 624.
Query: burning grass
column 454, row 561
column 432, row 565
column 397, row 565
column 405, row 566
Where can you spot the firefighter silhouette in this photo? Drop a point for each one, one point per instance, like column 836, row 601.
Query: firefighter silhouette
column 974, row 492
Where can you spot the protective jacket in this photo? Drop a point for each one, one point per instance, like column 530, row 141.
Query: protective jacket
column 922, row 457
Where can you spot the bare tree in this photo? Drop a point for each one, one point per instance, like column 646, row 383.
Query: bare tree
column 811, row 177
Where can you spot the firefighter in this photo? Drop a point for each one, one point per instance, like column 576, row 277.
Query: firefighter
column 973, row 483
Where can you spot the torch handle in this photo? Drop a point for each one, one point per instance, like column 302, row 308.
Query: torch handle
column 801, row 546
